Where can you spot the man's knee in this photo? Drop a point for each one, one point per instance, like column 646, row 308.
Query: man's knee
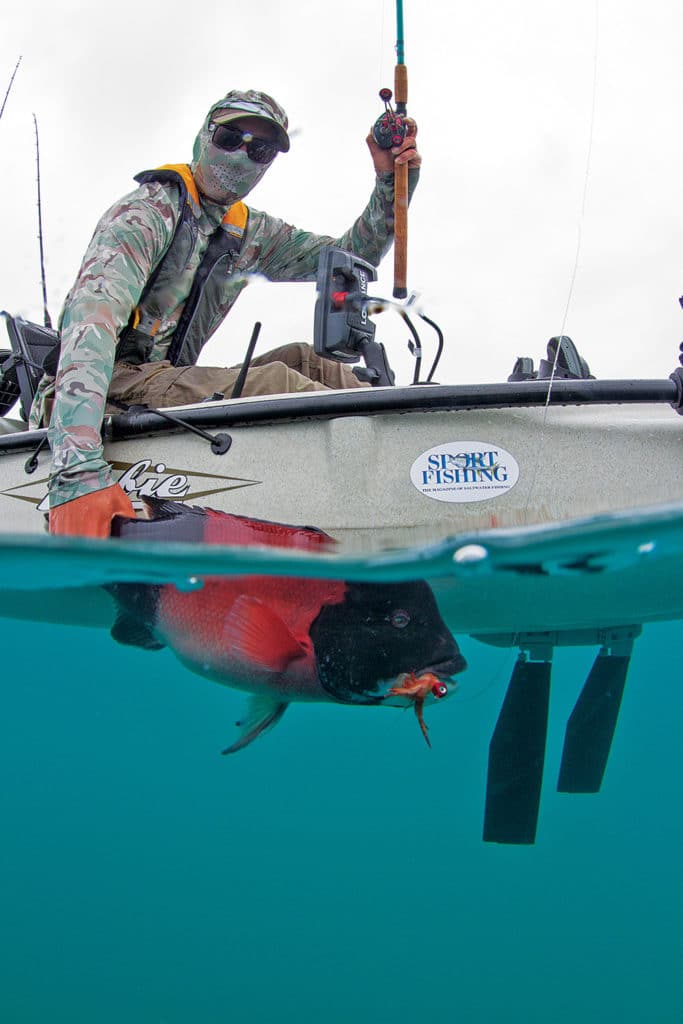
column 277, row 378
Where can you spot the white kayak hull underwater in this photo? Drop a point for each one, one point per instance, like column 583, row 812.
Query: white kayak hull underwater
column 387, row 467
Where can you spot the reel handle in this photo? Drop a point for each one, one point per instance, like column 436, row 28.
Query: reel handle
column 390, row 128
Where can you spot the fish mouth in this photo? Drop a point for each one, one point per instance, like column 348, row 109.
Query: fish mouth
column 445, row 669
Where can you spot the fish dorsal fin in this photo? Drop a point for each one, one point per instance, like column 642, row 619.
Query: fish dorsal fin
column 224, row 528
column 257, row 635
column 263, row 712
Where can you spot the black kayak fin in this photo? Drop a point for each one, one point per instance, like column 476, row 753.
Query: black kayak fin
column 517, row 755
column 592, row 723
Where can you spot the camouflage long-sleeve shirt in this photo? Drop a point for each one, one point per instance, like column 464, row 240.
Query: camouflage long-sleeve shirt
column 128, row 243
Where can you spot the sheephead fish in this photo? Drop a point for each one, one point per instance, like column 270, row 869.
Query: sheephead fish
column 285, row 639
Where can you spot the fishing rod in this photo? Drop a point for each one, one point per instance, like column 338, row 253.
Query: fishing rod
column 9, row 87
column 47, row 321
column 390, row 130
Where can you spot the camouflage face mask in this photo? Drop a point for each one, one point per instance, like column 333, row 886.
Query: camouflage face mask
column 224, row 177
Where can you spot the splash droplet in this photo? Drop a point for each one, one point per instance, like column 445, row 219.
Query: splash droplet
column 191, row 583
column 470, row 554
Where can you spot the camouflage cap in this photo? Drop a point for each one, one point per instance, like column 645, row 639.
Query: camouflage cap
column 253, row 104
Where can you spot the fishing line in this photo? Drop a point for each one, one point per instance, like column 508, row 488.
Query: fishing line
column 579, row 239
column 381, row 45
column 497, row 677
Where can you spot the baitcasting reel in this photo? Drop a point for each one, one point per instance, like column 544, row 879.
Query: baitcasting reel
column 390, row 127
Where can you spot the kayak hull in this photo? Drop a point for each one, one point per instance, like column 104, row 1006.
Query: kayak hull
column 391, row 479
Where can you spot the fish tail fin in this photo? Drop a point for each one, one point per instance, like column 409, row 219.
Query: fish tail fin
column 135, row 615
column 127, row 630
column 262, row 714
column 162, row 520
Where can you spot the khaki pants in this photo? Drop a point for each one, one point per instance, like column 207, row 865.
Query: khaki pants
column 285, row 370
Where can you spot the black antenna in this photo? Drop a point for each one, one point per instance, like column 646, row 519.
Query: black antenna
column 46, row 315
column 16, row 68
column 242, row 376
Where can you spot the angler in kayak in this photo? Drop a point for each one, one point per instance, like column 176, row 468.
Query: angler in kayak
column 161, row 273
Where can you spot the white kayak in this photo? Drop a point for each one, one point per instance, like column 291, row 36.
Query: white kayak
column 388, row 467
column 515, row 501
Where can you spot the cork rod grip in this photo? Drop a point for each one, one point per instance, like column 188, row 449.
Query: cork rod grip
column 400, row 231
column 401, row 195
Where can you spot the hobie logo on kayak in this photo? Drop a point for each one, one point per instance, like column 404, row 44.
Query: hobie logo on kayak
column 464, row 471
column 139, row 482
column 148, row 478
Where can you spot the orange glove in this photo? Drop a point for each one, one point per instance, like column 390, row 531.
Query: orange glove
column 91, row 514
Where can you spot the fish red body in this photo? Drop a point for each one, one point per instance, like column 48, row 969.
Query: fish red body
column 283, row 638
column 251, row 632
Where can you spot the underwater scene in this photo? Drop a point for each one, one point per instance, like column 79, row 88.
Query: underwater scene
column 465, row 804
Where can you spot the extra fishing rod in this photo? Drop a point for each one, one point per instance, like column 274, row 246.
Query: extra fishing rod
column 9, row 87
column 390, row 130
column 47, row 321
column 46, row 315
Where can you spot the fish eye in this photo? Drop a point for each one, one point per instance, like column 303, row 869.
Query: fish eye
column 400, row 619
column 439, row 690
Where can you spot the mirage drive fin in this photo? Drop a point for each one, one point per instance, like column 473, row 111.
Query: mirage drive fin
column 517, row 749
column 517, row 753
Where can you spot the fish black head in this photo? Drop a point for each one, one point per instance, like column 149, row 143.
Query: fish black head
column 379, row 632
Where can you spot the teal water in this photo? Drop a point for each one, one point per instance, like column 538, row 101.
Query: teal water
column 334, row 871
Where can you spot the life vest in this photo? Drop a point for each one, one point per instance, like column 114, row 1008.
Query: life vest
column 201, row 308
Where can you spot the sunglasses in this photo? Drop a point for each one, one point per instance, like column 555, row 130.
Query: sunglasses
column 228, row 138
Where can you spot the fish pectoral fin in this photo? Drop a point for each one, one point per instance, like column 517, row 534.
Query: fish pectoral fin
column 262, row 714
column 256, row 634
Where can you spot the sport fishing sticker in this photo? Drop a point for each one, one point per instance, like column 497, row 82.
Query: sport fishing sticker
column 464, row 471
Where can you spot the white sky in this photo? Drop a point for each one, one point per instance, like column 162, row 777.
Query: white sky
column 503, row 96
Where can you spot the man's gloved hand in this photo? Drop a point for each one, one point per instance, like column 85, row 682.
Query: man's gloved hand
column 91, row 514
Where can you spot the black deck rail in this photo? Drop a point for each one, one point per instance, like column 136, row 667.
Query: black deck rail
column 322, row 405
